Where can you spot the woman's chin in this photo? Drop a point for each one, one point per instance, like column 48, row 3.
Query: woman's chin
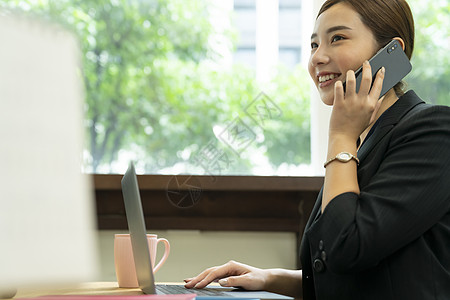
column 327, row 100
column 327, row 96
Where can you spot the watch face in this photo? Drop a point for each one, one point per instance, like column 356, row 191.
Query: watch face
column 344, row 156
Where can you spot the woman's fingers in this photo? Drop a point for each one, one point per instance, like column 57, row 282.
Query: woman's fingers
column 350, row 83
column 211, row 277
column 247, row 281
column 215, row 273
column 377, row 84
column 338, row 92
column 354, row 111
column 366, row 79
column 201, row 278
column 375, row 93
column 230, row 274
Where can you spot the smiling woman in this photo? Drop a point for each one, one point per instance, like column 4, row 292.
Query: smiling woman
column 384, row 204
column 371, row 13
column 339, row 43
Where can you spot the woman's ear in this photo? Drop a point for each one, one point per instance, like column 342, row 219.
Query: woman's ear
column 400, row 40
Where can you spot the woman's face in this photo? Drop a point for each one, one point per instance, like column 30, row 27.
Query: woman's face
column 340, row 42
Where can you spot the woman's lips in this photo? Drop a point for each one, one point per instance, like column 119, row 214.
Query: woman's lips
column 328, row 79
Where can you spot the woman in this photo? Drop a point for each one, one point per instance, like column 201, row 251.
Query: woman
column 380, row 228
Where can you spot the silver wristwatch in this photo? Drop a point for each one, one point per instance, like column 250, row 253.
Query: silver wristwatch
column 342, row 157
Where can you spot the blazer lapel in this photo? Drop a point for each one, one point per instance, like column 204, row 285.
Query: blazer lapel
column 388, row 120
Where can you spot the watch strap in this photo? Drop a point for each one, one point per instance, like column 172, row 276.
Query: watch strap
column 338, row 157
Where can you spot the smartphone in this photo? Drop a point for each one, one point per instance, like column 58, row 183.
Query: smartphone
column 395, row 62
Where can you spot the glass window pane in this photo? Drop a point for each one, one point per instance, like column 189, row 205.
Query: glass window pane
column 430, row 76
column 175, row 85
column 171, row 84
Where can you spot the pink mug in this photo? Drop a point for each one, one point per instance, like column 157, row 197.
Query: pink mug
column 124, row 260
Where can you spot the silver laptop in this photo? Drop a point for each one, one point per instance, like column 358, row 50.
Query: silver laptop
column 144, row 270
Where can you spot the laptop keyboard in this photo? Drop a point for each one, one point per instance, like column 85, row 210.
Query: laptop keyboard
column 179, row 289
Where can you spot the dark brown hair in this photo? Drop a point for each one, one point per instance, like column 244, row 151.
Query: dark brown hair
column 386, row 19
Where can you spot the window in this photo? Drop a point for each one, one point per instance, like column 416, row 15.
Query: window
column 290, row 32
column 214, row 87
column 431, row 62
column 244, row 17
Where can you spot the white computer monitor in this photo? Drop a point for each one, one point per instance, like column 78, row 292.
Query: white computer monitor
column 47, row 225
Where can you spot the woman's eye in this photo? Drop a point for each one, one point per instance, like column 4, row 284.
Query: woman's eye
column 314, row 45
column 337, row 38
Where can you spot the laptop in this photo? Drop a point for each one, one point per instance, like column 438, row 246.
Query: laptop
column 144, row 270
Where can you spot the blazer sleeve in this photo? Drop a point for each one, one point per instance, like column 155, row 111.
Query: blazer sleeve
column 407, row 195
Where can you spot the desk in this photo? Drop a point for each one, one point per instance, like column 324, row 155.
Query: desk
column 91, row 288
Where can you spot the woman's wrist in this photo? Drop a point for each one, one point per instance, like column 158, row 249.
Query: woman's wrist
column 340, row 174
column 341, row 143
column 282, row 281
column 348, row 134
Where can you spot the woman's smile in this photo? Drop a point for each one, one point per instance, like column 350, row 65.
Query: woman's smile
column 326, row 79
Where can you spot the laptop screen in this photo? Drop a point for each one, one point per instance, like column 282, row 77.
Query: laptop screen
column 136, row 225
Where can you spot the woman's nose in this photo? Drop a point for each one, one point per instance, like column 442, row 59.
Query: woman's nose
column 319, row 56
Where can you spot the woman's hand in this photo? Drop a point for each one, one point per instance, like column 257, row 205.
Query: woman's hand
column 234, row 274
column 231, row 274
column 354, row 112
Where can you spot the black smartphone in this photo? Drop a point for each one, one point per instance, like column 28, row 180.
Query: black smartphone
column 395, row 62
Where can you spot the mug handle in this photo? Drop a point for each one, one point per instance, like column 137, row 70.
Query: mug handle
column 165, row 256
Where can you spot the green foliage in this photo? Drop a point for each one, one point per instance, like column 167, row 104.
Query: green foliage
column 430, row 76
column 153, row 90
column 288, row 140
column 155, row 94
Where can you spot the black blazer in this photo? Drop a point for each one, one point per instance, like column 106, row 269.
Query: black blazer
column 393, row 240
